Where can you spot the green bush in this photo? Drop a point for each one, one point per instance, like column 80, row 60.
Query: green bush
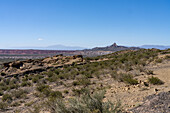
column 19, row 93
column 55, row 94
column 35, row 80
column 123, row 77
column 5, row 87
column 158, row 60
column 149, row 72
column 42, row 87
column 7, row 97
column 50, row 73
column 25, row 79
column 75, row 83
column 66, row 91
column 155, row 81
column 114, row 74
column 15, row 104
column 3, row 105
column 1, row 92
column 129, row 79
column 82, row 81
column 78, row 92
column 25, row 83
column 13, row 86
column 53, row 78
column 89, row 103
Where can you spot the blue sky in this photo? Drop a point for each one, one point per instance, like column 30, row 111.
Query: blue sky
column 86, row 23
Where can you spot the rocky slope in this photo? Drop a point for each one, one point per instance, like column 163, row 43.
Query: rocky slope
column 50, row 84
column 159, row 103
column 38, row 65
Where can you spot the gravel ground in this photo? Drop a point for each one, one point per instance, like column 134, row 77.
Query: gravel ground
column 159, row 103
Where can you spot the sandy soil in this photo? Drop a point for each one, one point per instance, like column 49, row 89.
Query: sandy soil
column 132, row 96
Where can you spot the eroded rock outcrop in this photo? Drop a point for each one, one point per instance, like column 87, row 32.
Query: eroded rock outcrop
column 39, row 65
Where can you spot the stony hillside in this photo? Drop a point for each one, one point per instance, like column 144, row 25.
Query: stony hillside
column 117, row 82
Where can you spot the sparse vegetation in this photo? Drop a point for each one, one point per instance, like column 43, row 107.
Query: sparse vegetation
column 7, row 98
column 129, row 79
column 79, row 81
column 155, row 81
column 3, row 106
column 158, row 60
column 85, row 104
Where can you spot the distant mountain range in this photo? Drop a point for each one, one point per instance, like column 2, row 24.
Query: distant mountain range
column 62, row 47
column 161, row 47
column 114, row 47
column 53, row 47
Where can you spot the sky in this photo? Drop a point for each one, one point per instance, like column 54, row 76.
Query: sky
column 85, row 23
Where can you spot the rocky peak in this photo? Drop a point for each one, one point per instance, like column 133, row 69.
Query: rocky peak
column 114, row 45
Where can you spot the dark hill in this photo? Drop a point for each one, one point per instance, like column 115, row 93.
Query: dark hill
column 114, row 47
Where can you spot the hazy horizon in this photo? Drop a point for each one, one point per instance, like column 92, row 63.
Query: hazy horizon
column 65, row 47
column 84, row 23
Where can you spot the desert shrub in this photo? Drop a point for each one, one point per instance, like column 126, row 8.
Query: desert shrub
column 88, row 75
column 45, row 89
column 29, row 103
column 123, row 77
column 66, row 91
column 34, row 80
column 3, row 105
column 15, row 104
column 5, row 87
column 23, row 84
column 30, row 77
column 55, row 94
column 7, row 98
column 50, row 73
column 57, row 72
column 19, row 93
column 75, row 83
column 53, row 78
column 25, row 79
column 41, row 87
column 114, row 74
column 6, row 81
column 61, row 76
column 129, row 79
column 39, row 76
column 78, row 92
column 158, row 60
column 155, row 81
column 82, row 81
column 85, row 82
column 89, row 103
column 13, row 81
column 1, row 92
column 13, row 86
column 149, row 72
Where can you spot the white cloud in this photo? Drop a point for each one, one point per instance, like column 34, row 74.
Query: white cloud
column 40, row 39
